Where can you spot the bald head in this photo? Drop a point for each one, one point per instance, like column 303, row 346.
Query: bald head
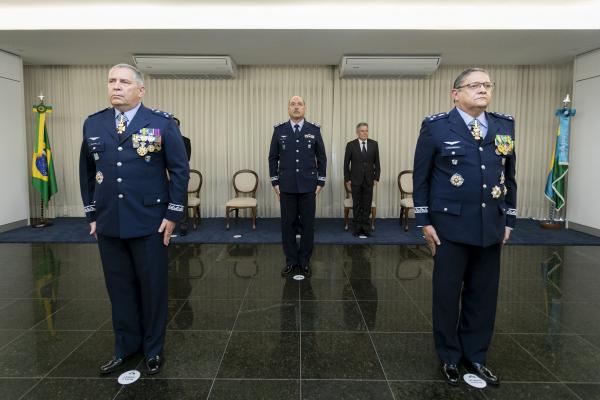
column 296, row 108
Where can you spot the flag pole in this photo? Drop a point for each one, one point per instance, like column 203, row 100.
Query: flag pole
column 553, row 222
column 41, row 222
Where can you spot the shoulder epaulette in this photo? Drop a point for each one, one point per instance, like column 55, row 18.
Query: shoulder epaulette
column 504, row 116
column 279, row 124
column 313, row 123
column 98, row 112
column 435, row 117
column 163, row 114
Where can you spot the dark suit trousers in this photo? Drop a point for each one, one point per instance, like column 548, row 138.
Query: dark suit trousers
column 292, row 205
column 136, row 275
column 465, row 293
column 362, row 197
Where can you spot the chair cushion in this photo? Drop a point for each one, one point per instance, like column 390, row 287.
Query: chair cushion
column 407, row 202
column 242, row 202
column 193, row 201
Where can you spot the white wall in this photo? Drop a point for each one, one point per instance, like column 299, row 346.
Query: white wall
column 584, row 170
column 14, row 201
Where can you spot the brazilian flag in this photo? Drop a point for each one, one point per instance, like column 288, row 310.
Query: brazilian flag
column 42, row 164
column 559, row 163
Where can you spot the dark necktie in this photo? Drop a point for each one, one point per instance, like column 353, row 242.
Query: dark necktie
column 364, row 147
column 297, row 129
column 121, row 123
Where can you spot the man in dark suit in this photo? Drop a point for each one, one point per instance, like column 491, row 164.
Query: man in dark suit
column 361, row 172
column 297, row 166
column 132, row 208
column 183, row 224
column 465, row 196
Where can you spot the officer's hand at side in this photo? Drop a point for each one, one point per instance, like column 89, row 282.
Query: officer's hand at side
column 276, row 190
column 93, row 229
column 318, row 189
column 507, row 232
column 348, row 186
column 166, row 228
column 431, row 238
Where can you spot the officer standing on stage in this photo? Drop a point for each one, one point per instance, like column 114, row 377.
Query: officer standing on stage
column 465, row 196
column 297, row 165
column 132, row 208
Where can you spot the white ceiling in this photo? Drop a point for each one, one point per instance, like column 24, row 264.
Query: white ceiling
column 296, row 47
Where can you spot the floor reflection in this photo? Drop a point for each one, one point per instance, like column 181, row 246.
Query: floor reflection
column 236, row 328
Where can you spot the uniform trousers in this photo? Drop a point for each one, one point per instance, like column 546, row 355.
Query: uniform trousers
column 465, row 294
column 292, row 206
column 362, row 197
column 136, row 275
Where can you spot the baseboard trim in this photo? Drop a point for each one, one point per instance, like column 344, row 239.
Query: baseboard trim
column 13, row 225
column 582, row 228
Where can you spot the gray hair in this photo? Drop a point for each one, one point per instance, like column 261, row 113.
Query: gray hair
column 461, row 77
column 361, row 124
column 137, row 75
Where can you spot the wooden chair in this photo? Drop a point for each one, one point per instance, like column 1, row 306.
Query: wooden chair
column 406, row 199
column 193, row 193
column 348, row 206
column 245, row 183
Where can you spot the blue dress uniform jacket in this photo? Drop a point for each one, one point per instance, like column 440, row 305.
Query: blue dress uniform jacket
column 465, row 189
column 126, row 193
column 297, row 164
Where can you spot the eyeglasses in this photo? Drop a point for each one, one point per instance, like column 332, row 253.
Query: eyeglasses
column 477, row 85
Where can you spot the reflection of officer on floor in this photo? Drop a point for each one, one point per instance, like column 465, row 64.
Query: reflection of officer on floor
column 359, row 273
column 465, row 196
column 132, row 207
column 297, row 165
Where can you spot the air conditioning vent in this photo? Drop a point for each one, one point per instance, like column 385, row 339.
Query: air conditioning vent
column 388, row 66
column 168, row 66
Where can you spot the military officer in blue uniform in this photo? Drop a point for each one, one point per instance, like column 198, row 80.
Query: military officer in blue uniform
column 297, row 166
column 465, row 196
column 132, row 206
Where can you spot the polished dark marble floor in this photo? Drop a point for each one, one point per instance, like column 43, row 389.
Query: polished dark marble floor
column 360, row 328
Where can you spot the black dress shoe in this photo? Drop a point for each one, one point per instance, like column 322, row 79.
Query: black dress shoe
column 154, row 365
column 287, row 271
column 183, row 232
column 450, row 373
column 483, row 372
column 111, row 366
column 306, row 271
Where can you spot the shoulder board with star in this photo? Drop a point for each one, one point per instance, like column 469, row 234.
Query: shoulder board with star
column 99, row 112
column 280, row 123
column 503, row 116
column 435, row 117
column 312, row 123
column 163, row 114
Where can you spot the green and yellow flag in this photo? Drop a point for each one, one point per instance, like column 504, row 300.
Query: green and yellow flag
column 42, row 164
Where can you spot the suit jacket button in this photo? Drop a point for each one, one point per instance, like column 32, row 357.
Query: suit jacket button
column 120, row 148
column 483, row 167
column 119, row 164
column 158, row 200
column 120, row 196
column 445, row 209
column 483, row 205
column 297, row 170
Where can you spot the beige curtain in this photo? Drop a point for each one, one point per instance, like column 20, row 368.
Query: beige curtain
column 230, row 123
